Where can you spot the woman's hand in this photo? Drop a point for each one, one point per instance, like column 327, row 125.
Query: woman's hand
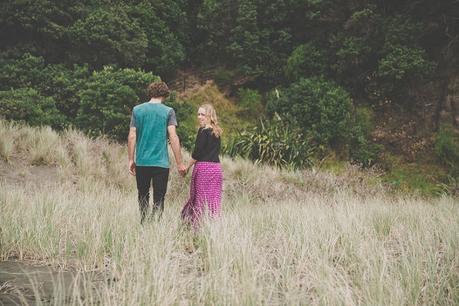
column 190, row 164
column 186, row 170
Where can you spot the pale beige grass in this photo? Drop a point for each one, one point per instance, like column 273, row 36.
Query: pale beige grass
column 285, row 238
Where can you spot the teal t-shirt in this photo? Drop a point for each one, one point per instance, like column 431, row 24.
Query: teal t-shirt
column 151, row 121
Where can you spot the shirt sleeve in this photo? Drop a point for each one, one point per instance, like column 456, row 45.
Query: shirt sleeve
column 132, row 124
column 172, row 120
column 199, row 145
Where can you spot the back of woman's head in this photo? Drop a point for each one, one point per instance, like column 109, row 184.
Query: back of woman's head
column 213, row 120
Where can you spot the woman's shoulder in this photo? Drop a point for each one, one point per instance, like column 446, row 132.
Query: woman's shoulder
column 207, row 130
column 203, row 131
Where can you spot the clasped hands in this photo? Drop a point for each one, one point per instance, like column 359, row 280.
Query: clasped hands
column 182, row 169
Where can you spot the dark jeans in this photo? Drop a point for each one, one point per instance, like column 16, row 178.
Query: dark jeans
column 145, row 176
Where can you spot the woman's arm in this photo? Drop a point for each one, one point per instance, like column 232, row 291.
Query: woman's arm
column 190, row 164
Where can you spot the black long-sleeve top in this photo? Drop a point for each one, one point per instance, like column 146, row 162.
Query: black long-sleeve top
column 207, row 146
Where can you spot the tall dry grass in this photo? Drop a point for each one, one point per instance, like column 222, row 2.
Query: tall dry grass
column 289, row 238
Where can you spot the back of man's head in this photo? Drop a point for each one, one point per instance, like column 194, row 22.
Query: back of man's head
column 158, row 89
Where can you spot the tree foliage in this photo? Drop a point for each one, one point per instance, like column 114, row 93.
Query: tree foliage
column 28, row 106
column 108, row 36
column 313, row 61
column 318, row 107
column 108, row 98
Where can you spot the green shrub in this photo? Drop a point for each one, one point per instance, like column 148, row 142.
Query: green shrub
column 400, row 65
column 57, row 81
column 275, row 143
column 108, row 36
column 319, row 107
column 164, row 50
column 107, row 100
column 447, row 148
column 64, row 84
column 305, row 61
column 361, row 149
column 28, row 106
column 22, row 72
column 249, row 102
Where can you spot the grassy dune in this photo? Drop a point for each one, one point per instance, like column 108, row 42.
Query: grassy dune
column 289, row 238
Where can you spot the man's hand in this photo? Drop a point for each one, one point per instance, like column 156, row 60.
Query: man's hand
column 175, row 145
column 131, row 149
column 132, row 167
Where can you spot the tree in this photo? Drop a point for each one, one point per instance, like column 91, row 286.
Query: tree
column 164, row 52
column 38, row 27
column 319, row 107
column 28, row 106
column 108, row 98
column 108, row 36
column 53, row 80
column 306, row 60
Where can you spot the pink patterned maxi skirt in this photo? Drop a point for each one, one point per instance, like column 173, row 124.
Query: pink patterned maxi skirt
column 205, row 192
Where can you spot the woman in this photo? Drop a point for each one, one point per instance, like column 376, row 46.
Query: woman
column 207, row 177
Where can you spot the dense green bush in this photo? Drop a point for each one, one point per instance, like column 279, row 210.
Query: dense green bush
column 108, row 98
column 164, row 51
column 319, row 107
column 108, row 36
column 273, row 142
column 64, row 84
column 250, row 102
column 305, row 61
column 24, row 71
column 53, row 80
column 400, row 65
column 361, row 149
column 447, row 148
column 28, row 106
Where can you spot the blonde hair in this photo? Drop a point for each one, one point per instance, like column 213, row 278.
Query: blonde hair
column 211, row 114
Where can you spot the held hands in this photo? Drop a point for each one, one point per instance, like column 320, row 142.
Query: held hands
column 182, row 169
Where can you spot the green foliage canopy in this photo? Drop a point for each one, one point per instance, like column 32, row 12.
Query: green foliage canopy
column 28, row 106
column 319, row 107
column 108, row 98
column 108, row 36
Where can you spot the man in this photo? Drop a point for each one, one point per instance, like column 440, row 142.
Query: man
column 151, row 123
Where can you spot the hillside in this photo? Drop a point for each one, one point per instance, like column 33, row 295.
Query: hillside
column 370, row 83
column 200, row 91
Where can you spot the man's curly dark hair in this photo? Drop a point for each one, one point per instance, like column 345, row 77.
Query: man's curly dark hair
column 158, row 89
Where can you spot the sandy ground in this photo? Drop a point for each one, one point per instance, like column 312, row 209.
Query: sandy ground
column 17, row 174
column 27, row 283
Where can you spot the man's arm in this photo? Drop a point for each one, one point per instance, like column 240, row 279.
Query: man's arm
column 175, row 145
column 131, row 149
